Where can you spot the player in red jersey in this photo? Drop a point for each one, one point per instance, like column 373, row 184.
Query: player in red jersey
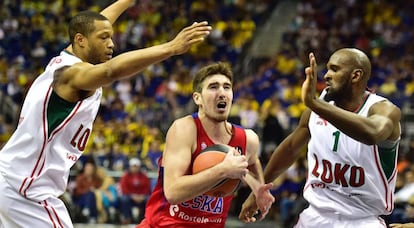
column 178, row 199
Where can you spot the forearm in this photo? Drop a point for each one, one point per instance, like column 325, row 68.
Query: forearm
column 254, row 179
column 253, row 182
column 132, row 62
column 366, row 130
column 190, row 186
column 282, row 158
column 113, row 11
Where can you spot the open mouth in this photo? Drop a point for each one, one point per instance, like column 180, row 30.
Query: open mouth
column 222, row 105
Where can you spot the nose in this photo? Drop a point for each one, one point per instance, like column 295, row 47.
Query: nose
column 327, row 76
column 111, row 44
column 221, row 91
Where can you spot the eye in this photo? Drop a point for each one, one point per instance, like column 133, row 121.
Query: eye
column 333, row 68
column 214, row 86
column 227, row 86
column 105, row 37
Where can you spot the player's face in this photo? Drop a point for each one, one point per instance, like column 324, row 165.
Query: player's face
column 100, row 43
column 338, row 78
column 216, row 97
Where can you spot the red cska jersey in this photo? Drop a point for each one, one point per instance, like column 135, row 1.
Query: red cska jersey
column 202, row 211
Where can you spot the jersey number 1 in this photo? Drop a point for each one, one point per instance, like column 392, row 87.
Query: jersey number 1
column 336, row 135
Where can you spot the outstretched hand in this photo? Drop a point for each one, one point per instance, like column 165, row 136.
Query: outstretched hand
column 257, row 205
column 190, row 36
column 264, row 199
column 309, row 85
column 249, row 210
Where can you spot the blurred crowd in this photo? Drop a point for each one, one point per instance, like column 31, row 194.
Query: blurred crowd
column 113, row 179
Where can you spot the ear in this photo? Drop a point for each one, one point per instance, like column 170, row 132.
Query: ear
column 357, row 75
column 80, row 40
column 197, row 98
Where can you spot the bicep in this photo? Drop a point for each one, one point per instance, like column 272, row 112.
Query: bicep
column 252, row 147
column 86, row 76
column 178, row 150
column 386, row 117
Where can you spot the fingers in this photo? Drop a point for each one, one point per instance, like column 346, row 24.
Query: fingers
column 268, row 186
column 265, row 201
column 263, row 215
column 199, row 23
column 264, row 209
column 200, row 29
column 196, row 32
column 236, row 164
column 189, row 36
column 311, row 70
column 249, row 209
column 248, row 216
column 313, row 65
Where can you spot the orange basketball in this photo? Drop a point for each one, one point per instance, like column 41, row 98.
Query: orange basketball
column 210, row 157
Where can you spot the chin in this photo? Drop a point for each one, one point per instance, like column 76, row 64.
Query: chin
column 329, row 97
column 220, row 118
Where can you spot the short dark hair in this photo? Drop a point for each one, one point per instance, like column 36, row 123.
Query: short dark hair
column 83, row 23
column 212, row 69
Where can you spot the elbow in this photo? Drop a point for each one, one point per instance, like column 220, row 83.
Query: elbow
column 371, row 138
column 367, row 138
column 172, row 198
column 369, row 141
column 110, row 74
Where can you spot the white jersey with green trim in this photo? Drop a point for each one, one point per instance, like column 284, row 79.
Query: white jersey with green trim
column 345, row 176
column 50, row 137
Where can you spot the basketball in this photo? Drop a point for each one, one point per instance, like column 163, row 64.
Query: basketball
column 210, row 157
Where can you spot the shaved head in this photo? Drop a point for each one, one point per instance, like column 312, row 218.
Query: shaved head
column 356, row 59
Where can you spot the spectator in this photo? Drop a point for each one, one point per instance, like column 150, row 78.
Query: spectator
column 275, row 123
column 119, row 159
column 106, row 196
column 83, row 193
column 135, row 189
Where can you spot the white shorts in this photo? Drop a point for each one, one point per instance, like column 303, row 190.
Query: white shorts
column 17, row 211
column 312, row 218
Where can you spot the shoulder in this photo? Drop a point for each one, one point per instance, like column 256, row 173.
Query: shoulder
column 251, row 135
column 184, row 122
column 76, row 68
column 63, row 60
column 252, row 139
column 184, row 126
column 385, row 107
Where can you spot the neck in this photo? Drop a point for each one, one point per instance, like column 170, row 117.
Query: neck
column 74, row 51
column 218, row 131
column 354, row 103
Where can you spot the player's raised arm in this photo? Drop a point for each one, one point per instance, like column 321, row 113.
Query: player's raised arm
column 86, row 76
column 113, row 11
